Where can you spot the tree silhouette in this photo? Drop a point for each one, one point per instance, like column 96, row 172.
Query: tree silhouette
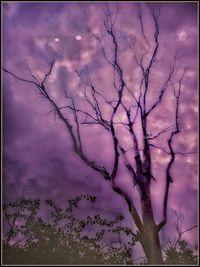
column 63, row 238
column 181, row 254
column 136, row 118
column 179, row 251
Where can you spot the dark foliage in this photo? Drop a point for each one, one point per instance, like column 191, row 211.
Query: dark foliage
column 182, row 254
column 63, row 238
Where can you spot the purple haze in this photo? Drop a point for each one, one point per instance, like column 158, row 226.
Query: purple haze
column 38, row 152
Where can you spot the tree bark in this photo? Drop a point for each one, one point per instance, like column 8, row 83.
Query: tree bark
column 149, row 237
column 150, row 243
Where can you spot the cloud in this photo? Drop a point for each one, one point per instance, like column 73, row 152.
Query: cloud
column 38, row 150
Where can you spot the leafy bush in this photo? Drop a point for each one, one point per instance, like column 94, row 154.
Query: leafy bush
column 62, row 238
column 182, row 254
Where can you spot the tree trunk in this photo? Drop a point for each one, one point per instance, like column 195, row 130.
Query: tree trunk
column 149, row 237
column 150, row 243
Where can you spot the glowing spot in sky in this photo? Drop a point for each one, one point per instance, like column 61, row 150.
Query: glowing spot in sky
column 190, row 73
column 39, row 74
column 189, row 160
column 85, row 55
column 182, row 36
column 122, row 117
column 127, row 139
column 195, row 109
column 95, row 30
column 56, row 39
column 78, row 37
column 163, row 160
column 158, row 152
column 81, row 94
column 127, row 98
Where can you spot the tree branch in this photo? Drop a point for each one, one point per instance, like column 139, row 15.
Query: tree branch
column 18, row 78
column 162, row 91
column 172, row 154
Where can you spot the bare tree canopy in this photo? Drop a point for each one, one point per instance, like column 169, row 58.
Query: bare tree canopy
column 134, row 100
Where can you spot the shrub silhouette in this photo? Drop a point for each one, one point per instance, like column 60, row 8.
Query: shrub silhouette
column 63, row 238
column 182, row 254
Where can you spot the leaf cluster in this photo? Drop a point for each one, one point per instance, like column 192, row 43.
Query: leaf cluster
column 63, row 237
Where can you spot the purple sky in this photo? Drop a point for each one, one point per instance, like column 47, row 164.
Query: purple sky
column 38, row 151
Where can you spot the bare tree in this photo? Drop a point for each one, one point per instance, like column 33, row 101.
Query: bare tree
column 172, row 248
column 179, row 232
column 138, row 112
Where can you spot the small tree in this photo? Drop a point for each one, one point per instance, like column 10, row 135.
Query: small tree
column 181, row 254
column 179, row 251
